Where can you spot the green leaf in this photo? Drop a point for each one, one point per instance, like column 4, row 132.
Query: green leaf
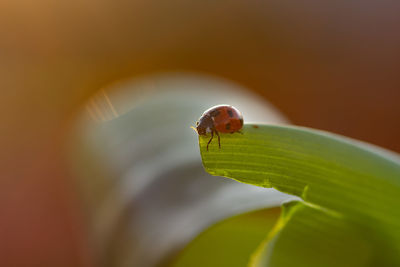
column 342, row 177
column 315, row 238
column 230, row 242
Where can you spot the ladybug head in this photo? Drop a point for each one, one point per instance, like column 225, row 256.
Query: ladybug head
column 201, row 130
column 204, row 125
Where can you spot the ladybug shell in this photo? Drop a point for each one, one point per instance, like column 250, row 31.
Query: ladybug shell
column 227, row 119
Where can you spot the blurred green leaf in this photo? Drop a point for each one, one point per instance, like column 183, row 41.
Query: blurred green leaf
column 230, row 242
column 306, row 236
column 342, row 178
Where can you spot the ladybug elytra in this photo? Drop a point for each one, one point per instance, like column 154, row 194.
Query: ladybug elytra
column 219, row 119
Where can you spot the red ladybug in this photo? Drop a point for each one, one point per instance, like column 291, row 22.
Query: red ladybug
column 221, row 118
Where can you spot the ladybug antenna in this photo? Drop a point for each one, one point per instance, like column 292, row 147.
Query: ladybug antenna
column 193, row 128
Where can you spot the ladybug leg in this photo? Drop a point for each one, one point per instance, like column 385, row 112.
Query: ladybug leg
column 209, row 141
column 219, row 139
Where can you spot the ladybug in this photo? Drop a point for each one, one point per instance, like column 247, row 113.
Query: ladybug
column 219, row 119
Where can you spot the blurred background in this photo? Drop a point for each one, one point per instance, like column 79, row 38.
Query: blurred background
column 87, row 87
